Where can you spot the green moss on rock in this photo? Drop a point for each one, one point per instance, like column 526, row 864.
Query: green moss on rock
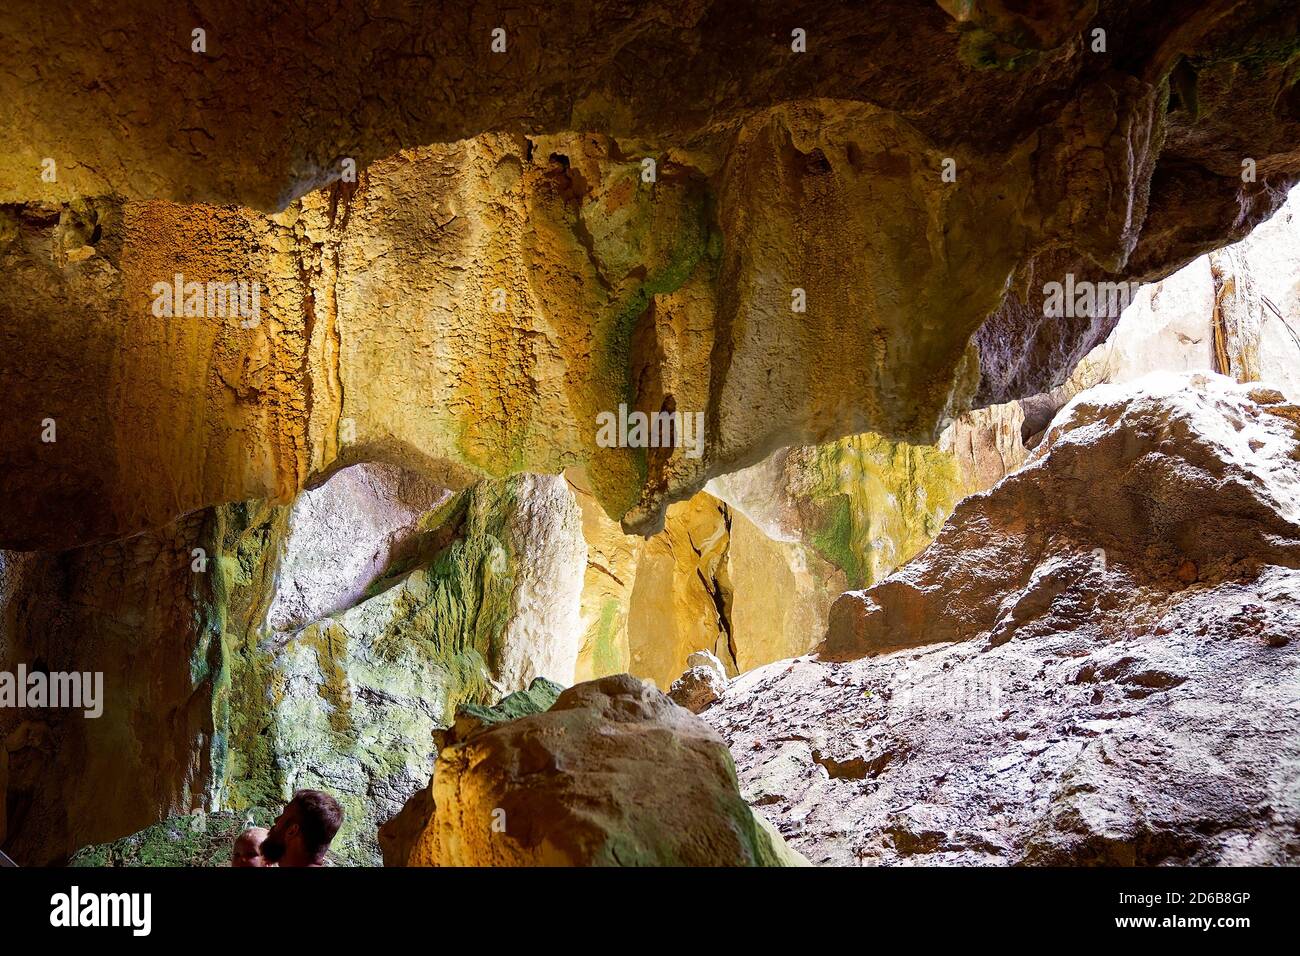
column 197, row 839
column 539, row 697
column 874, row 503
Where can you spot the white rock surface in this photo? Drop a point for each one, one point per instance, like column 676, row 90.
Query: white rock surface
column 545, row 629
column 703, row 682
column 1095, row 662
column 342, row 536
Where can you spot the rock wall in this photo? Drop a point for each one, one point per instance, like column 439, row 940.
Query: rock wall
column 1092, row 664
column 426, row 311
column 1235, row 311
column 318, row 644
column 711, row 580
column 125, row 610
column 481, row 598
column 295, row 358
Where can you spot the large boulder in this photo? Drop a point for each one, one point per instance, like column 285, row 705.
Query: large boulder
column 614, row 774
column 1094, row 663
column 1169, row 481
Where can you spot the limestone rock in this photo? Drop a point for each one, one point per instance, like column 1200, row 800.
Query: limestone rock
column 1174, row 745
column 612, row 560
column 484, row 602
column 703, row 682
column 133, row 611
column 343, row 535
column 865, row 504
column 1141, row 477
column 539, row 697
column 711, row 580
column 549, row 558
column 987, row 443
column 705, row 659
column 498, row 274
column 1174, row 324
column 217, row 698
column 614, row 774
column 1090, row 665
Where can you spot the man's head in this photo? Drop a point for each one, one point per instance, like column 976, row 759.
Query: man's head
column 248, row 848
column 303, row 830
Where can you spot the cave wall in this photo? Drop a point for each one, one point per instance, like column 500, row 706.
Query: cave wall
column 501, row 270
column 242, row 661
column 798, row 271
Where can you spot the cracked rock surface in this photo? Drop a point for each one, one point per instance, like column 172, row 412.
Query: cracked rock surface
column 1035, row 703
column 500, row 271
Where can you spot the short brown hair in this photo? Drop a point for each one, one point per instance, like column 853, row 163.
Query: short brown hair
column 319, row 818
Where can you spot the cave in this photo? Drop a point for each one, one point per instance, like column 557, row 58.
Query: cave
column 681, row 434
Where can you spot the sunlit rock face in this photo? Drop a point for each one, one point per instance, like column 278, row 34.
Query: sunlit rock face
column 505, row 268
column 1169, row 477
column 1093, row 663
column 253, row 649
column 613, row 774
column 1233, row 311
column 864, row 503
column 710, row 581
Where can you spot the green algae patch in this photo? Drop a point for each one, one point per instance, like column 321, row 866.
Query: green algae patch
column 540, row 696
column 876, row 503
column 349, row 704
column 603, row 637
column 196, row 839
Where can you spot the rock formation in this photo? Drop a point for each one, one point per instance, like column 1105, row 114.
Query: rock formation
column 1169, row 474
column 369, row 367
column 1179, row 323
column 271, row 664
column 702, row 683
column 1091, row 664
column 710, row 581
column 613, row 774
column 423, row 312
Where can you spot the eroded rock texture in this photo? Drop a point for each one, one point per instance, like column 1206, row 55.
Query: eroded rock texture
column 703, row 682
column 1233, row 311
column 244, row 658
column 613, row 774
column 710, row 581
column 485, row 600
column 502, row 271
column 1168, row 478
column 1093, row 663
